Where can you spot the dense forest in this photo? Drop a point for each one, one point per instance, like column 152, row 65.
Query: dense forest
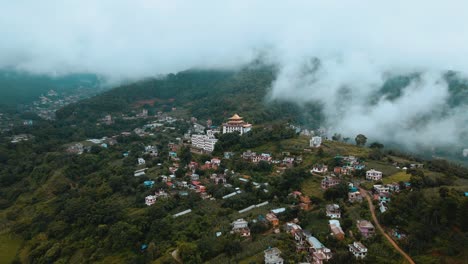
column 202, row 93
column 57, row 207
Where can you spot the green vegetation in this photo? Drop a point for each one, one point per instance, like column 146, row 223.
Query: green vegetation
column 9, row 246
column 62, row 208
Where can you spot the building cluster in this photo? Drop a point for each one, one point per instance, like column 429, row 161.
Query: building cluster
column 315, row 251
column 349, row 164
column 151, row 199
column 383, row 192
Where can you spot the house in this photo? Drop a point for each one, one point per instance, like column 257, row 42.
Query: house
column 240, row 226
column 193, row 165
column 319, row 252
column 373, row 175
column 141, row 161
column 333, row 211
column 151, row 150
column 273, row 256
column 248, row 155
column 288, row 161
column 236, row 124
column 336, row 230
column 329, row 181
column 271, row 217
column 416, row 166
column 378, row 188
column 366, row 228
column 315, row 142
column 358, row 250
column 228, row 155
column 150, row 200
column 305, row 202
column 215, row 161
column 194, row 177
column 262, row 157
column 148, row 184
column 354, row 195
column 319, row 168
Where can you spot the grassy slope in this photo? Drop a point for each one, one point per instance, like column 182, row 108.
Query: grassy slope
column 9, row 246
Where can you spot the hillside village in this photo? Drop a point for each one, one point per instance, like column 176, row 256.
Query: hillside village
column 193, row 170
column 276, row 193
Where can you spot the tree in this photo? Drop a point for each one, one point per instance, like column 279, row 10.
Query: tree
column 361, row 140
column 188, row 252
column 376, row 145
column 336, row 137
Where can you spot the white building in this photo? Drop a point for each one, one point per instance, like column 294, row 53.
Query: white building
column 239, row 224
column 333, row 211
column 236, row 123
column 273, row 256
column 373, row 175
column 315, row 142
column 141, row 161
column 358, row 249
column 204, row 142
column 150, row 200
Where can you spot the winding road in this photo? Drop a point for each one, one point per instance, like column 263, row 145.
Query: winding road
column 379, row 227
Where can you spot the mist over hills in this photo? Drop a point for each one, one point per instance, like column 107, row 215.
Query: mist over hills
column 18, row 87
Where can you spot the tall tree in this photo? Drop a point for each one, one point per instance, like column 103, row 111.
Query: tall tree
column 361, row 140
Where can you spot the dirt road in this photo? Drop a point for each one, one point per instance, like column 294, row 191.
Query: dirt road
column 379, row 227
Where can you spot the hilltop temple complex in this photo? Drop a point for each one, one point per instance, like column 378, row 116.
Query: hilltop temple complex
column 236, row 123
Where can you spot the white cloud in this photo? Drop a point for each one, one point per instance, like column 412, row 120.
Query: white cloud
column 358, row 42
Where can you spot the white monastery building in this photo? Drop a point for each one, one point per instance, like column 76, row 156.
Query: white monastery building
column 236, row 123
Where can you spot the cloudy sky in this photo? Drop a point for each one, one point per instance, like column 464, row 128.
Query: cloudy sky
column 358, row 42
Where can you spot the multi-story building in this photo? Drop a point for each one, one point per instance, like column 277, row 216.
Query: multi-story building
column 236, row 124
column 358, row 249
column 204, row 142
column 373, row 175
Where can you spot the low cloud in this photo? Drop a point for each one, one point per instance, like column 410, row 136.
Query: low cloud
column 338, row 53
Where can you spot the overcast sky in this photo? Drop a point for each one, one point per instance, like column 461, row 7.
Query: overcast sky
column 359, row 43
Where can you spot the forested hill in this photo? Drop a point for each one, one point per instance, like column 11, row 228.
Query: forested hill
column 202, row 93
column 23, row 88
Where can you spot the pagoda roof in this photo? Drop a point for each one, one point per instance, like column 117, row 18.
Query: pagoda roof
column 235, row 117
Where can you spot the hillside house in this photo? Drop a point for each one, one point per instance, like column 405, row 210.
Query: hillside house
column 329, row 181
column 315, row 142
column 373, row 175
column 240, row 226
column 358, row 250
column 319, row 252
column 333, row 211
column 273, row 256
column 378, row 188
column 141, row 161
column 273, row 219
column 150, row 200
column 354, row 195
column 262, row 157
column 319, row 169
column 336, row 230
column 366, row 228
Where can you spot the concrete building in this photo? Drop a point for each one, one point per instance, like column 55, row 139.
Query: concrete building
column 315, row 142
column 273, row 256
column 358, row 249
column 373, row 175
column 236, row 124
column 205, row 142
